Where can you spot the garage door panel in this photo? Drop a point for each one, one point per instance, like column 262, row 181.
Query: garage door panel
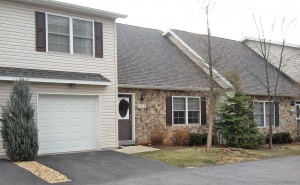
column 67, row 123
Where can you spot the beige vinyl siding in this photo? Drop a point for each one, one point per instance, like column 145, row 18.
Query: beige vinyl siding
column 291, row 58
column 107, row 122
column 17, row 49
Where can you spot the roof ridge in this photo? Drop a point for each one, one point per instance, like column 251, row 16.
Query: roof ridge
column 205, row 35
column 139, row 27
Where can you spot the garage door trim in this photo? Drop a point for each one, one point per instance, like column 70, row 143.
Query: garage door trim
column 98, row 116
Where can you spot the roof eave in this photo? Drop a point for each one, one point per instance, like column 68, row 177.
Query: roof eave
column 71, row 7
column 57, row 81
column 132, row 86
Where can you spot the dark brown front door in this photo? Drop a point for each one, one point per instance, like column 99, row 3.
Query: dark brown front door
column 124, row 117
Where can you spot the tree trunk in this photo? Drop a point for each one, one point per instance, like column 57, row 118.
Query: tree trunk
column 271, row 121
column 210, row 122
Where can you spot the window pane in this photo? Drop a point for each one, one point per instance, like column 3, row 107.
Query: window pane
column 179, row 117
column 58, row 34
column 57, row 24
column 83, row 36
column 258, row 107
column 193, row 116
column 179, row 103
column 193, row 104
column 259, row 119
column 259, row 113
column 82, row 28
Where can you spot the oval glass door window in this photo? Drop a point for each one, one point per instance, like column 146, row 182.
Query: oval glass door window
column 123, row 108
column 297, row 111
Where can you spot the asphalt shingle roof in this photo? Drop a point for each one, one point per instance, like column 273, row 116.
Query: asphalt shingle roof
column 238, row 57
column 145, row 57
column 62, row 75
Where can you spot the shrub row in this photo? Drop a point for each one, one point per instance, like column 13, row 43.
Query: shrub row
column 179, row 137
column 281, row 138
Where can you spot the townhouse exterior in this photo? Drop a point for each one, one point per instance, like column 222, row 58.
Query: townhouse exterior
column 68, row 53
column 97, row 84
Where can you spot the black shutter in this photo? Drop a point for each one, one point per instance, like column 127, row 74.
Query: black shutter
column 40, row 27
column 169, row 111
column 203, row 111
column 98, row 40
column 276, row 104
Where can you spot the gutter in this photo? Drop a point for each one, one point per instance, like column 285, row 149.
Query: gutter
column 59, row 81
column 129, row 86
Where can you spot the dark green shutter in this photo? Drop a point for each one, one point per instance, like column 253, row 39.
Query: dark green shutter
column 276, row 104
column 169, row 111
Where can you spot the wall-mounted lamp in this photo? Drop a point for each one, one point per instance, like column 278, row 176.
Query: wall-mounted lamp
column 71, row 85
column 292, row 103
column 143, row 96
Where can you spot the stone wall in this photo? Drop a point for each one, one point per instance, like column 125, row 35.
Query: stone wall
column 287, row 116
column 154, row 116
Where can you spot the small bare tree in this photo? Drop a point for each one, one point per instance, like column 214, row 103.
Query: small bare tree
column 214, row 59
column 272, row 85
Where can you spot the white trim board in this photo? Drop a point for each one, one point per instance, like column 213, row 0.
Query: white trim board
column 59, row 81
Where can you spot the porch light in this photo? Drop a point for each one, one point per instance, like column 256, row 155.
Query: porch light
column 143, row 96
column 71, row 85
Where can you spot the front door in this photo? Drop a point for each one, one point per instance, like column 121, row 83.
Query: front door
column 124, row 117
column 298, row 117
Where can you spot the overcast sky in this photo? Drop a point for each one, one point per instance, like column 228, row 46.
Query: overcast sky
column 231, row 19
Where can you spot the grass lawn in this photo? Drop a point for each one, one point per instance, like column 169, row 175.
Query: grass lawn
column 197, row 157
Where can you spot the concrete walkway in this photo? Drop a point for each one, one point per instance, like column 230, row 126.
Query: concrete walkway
column 136, row 149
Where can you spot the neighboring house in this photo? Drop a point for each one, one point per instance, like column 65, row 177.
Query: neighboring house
column 290, row 63
column 156, row 73
column 68, row 53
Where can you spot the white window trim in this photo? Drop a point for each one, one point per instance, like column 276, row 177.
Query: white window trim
column 186, row 110
column 264, row 104
column 71, row 52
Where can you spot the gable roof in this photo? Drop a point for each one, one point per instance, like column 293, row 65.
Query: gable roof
column 146, row 59
column 243, row 61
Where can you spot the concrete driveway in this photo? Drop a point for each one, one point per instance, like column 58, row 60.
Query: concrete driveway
column 108, row 167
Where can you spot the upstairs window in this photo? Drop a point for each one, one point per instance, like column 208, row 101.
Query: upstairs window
column 55, row 33
column 58, row 34
column 82, row 37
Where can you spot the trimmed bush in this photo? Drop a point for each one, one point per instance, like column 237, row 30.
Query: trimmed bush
column 157, row 137
column 197, row 139
column 180, row 137
column 281, row 138
column 19, row 131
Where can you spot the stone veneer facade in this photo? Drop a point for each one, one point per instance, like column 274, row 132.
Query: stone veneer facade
column 154, row 116
column 287, row 116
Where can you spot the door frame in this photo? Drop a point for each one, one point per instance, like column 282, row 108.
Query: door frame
column 132, row 141
column 98, row 116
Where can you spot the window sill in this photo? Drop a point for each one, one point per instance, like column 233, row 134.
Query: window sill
column 54, row 53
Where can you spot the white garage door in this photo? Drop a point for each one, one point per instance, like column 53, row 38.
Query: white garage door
column 67, row 123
